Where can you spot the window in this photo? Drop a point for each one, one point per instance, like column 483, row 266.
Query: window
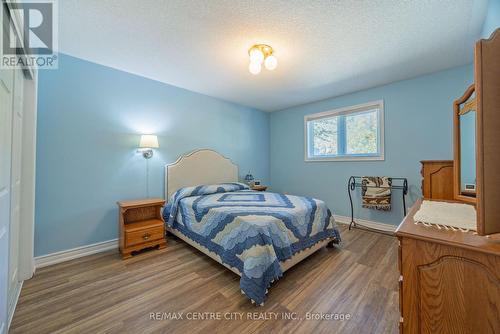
column 352, row 133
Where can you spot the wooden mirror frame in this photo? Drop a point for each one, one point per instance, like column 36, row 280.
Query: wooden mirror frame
column 471, row 105
column 487, row 82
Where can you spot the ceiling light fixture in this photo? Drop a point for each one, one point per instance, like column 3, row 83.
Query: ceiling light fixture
column 261, row 53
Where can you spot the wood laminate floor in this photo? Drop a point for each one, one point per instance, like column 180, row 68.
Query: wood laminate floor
column 103, row 294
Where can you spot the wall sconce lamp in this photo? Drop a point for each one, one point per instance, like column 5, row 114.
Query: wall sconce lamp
column 146, row 145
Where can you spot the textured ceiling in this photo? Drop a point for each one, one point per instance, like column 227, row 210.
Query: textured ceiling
column 324, row 48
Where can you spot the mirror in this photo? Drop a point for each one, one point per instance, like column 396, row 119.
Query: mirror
column 465, row 146
column 468, row 153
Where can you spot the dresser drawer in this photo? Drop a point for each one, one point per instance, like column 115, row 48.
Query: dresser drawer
column 142, row 236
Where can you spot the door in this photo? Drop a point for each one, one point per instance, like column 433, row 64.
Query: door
column 15, row 186
column 6, row 88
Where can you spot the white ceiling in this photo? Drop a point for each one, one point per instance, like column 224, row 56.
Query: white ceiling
column 324, row 48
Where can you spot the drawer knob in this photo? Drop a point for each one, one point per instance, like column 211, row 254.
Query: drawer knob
column 146, row 236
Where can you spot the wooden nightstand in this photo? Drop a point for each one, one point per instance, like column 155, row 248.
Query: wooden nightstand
column 259, row 188
column 141, row 225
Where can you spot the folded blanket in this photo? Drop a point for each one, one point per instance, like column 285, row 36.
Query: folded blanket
column 376, row 192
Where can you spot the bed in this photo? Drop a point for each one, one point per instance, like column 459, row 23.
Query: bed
column 257, row 235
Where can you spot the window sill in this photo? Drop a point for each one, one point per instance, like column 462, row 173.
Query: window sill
column 346, row 158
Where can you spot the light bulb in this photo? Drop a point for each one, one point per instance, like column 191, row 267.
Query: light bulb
column 256, row 56
column 271, row 62
column 254, row 68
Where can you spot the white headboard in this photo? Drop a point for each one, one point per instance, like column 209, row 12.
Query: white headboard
column 202, row 166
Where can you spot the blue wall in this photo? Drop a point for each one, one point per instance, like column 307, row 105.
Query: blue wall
column 418, row 126
column 89, row 121
column 492, row 21
column 88, row 113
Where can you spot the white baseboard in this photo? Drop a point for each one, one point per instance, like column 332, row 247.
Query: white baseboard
column 368, row 223
column 74, row 253
column 13, row 304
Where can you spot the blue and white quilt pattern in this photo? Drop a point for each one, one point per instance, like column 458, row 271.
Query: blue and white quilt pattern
column 251, row 231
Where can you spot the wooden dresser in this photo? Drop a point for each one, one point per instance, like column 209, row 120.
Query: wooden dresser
column 437, row 179
column 450, row 281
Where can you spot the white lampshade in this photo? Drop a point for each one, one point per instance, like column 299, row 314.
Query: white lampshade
column 149, row 141
column 271, row 63
column 256, row 56
column 254, row 68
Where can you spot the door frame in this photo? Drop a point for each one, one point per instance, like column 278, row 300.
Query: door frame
column 26, row 267
column 26, row 263
column 27, row 218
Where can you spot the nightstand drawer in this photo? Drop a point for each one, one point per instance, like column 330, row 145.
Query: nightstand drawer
column 142, row 236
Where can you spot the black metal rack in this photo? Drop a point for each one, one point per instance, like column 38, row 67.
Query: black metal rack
column 353, row 184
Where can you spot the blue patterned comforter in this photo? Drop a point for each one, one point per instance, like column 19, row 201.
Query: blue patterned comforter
column 250, row 231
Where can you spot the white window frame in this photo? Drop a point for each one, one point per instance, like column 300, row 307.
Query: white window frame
column 379, row 104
